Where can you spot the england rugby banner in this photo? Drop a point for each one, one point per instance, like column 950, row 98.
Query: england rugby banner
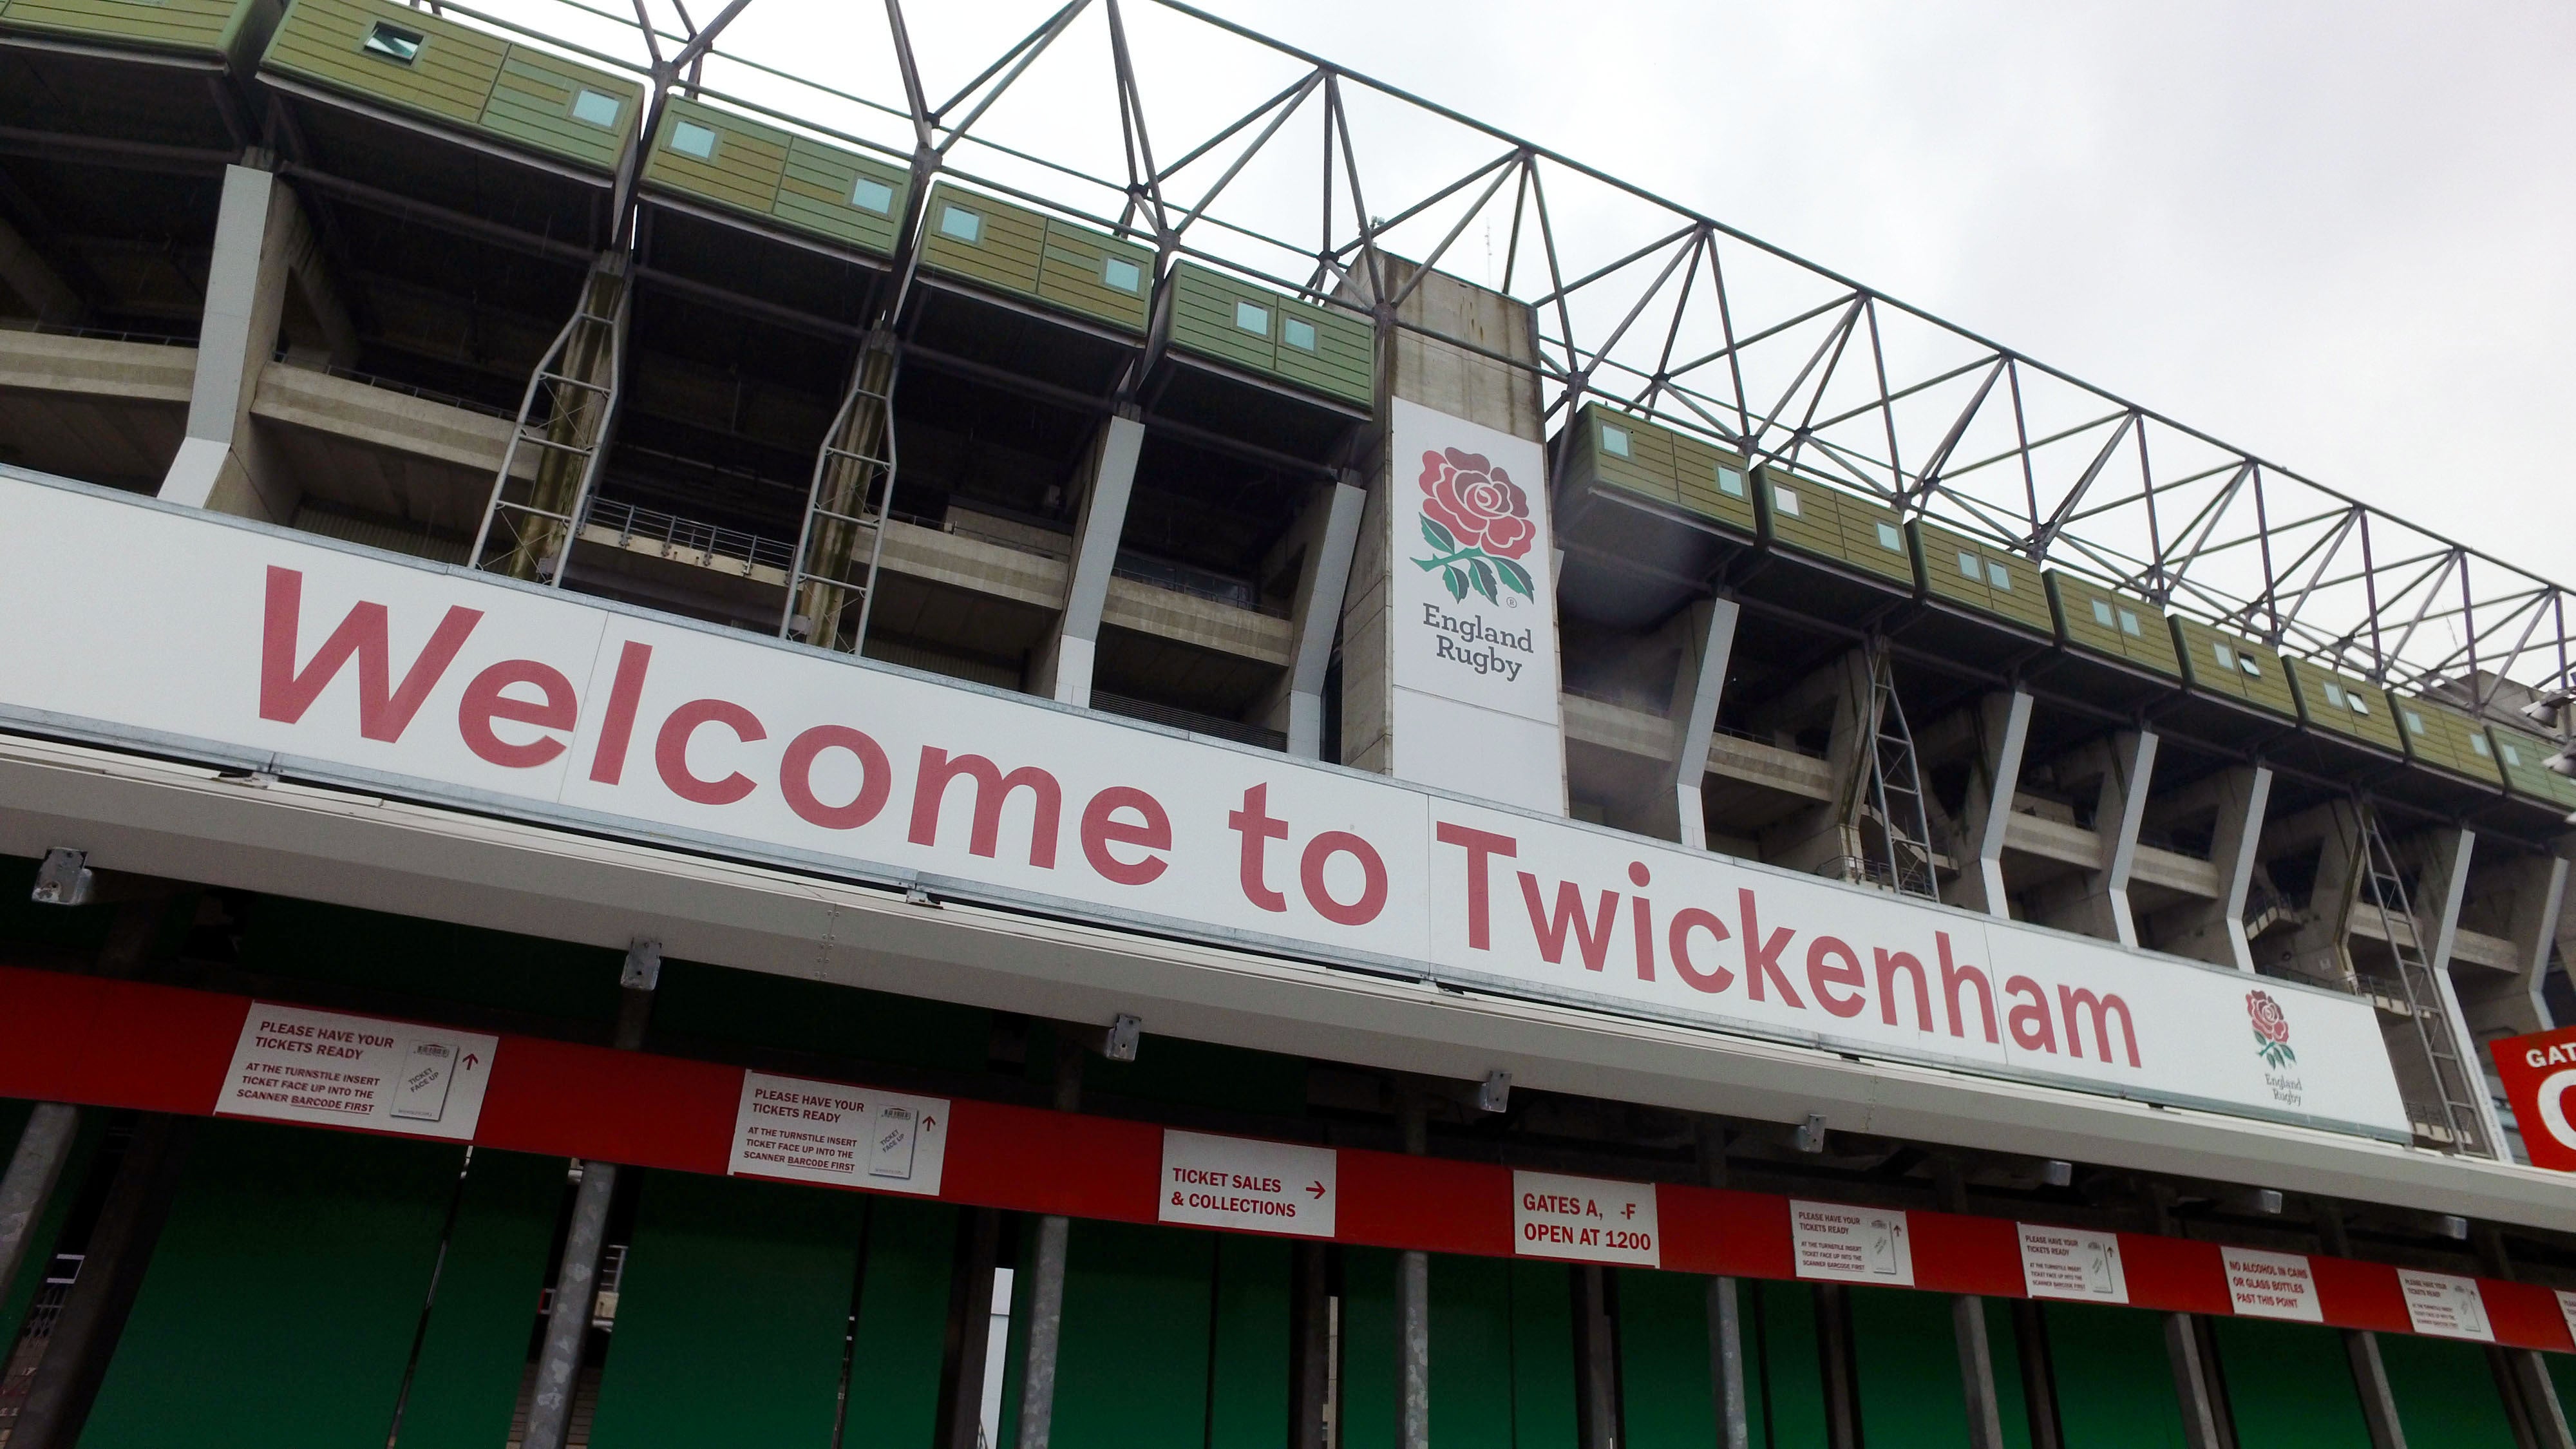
column 138, row 624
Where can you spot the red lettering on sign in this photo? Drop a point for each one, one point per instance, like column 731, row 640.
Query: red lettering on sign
column 992, row 788
column 1102, row 829
column 384, row 710
column 1310, row 875
column 1258, row 827
column 1592, row 937
column 671, row 750
column 484, row 702
column 1481, row 846
column 796, row 777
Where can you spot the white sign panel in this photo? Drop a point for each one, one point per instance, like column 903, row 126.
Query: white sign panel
column 839, row 1135
column 228, row 642
column 1851, row 1245
column 2068, row 1263
column 2272, row 1285
column 1244, row 1183
column 1474, row 602
column 2445, row 1305
column 1585, row 1219
column 322, row 1067
column 2567, row 1310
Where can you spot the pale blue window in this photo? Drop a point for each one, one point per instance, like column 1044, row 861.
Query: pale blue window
column 2102, row 614
column 869, row 194
column 961, row 224
column 2226, row 656
column 593, row 109
column 1784, row 501
column 691, row 139
column 2129, row 623
column 1614, row 441
column 1297, row 334
column 1967, row 565
column 392, row 42
column 1999, row 576
column 1252, row 319
column 1730, row 482
column 1890, row 539
column 1122, row 274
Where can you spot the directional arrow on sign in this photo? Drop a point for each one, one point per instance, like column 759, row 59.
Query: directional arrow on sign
column 1314, row 1189
column 470, row 1060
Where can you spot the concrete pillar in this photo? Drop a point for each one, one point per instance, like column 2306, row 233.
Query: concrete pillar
column 1413, row 1305
column 2122, row 809
column 1064, row 668
column 1321, row 585
column 2537, row 908
column 66, row 1380
column 1697, row 685
column 2200, row 1412
column 2445, row 882
column 2319, row 947
column 2003, row 729
column 1968, row 1328
column 1596, row 1363
column 2361, row 1348
column 1043, row 1335
column 2214, row 931
column 1821, row 838
column 577, row 1278
column 24, row 270
column 261, row 239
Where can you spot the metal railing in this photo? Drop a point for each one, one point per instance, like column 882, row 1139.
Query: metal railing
column 685, row 535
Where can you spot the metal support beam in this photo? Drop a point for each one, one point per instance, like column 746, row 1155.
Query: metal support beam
column 2200, row 1428
column 1065, row 670
column 2361, row 1347
column 2122, row 810
column 1725, row 1315
column 1320, row 589
column 577, row 1278
column 1968, row 1327
column 2003, row 730
column 1696, row 691
column 1045, row 1298
column 1412, row 1306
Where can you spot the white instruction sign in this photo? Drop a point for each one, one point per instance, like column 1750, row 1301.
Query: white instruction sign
column 335, row 1070
column 1851, row 1245
column 1586, row 1219
column 2567, row 1310
column 2444, row 1305
column 2071, row 1263
column 1248, row 1184
column 839, row 1135
column 2272, row 1285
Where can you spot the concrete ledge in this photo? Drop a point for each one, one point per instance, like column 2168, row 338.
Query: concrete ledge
column 97, row 366
column 970, row 563
column 1189, row 619
column 381, row 417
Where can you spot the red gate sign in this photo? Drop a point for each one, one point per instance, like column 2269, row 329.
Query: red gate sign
column 2538, row 1072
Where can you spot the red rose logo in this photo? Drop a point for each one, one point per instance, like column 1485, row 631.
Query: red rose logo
column 1479, row 521
column 2271, row 1029
column 1477, row 502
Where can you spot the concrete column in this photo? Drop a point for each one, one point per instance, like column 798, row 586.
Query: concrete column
column 66, row 1380
column 2122, row 810
column 2536, row 911
column 24, row 270
column 1595, row 1362
column 1821, row 838
column 1320, row 586
column 1696, row 689
column 1413, row 1306
column 577, row 1279
column 2445, row 886
column 2215, row 931
column 2361, row 1347
column 1725, row 1316
column 2200, row 1413
column 1044, row 1333
column 2003, row 728
column 1064, row 672
column 1968, row 1328
column 261, row 238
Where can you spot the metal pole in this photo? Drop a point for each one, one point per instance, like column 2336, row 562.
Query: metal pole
column 1968, row 1321
column 2361, row 1346
column 576, row 1281
column 1046, row 1282
column 1725, row 1315
column 1413, row 1304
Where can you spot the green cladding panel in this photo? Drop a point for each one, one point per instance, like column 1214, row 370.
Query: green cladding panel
column 2345, row 706
column 230, row 30
column 1132, row 1365
column 898, row 1344
column 2447, row 1396
column 1614, row 450
column 2445, row 739
column 283, row 1294
column 1804, row 516
column 2230, row 666
column 1907, row 1359
column 742, row 165
column 1368, row 1402
column 2114, row 1385
column 2290, row 1385
column 2110, row 624
column 2524, row 756
column 1219, row 316
column 1028, row 254
column 1784, row 1375
column 466, row 1381
column 382, row 53
column 1666, row 1400
column 1502, row 1355
column 731, row 1314
column 1983, row 576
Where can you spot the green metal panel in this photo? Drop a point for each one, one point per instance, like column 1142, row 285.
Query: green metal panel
column 1342, row 362
column 1087, row 272
column 458, row 74
column 1819, row 520
column 1670, row 467
column 754, row 1008
column 898, row 1345
column 1368, row 1379
column 2289, row 1385
column 283, row 1295
column 1783, row 1367
column 1016, row 250
column 231, row 30
column 2003, row 1352
column 820, row 192
column 1983, row 576
column 2523, row 755
column 1132, row 1366
column 730, row 1315
column 430, row 960
column 2445, row 738
column 2114, row 1384
column 1665, row 1398
column 1208, row 318
column 2219, row 663
column 1907, row 1355
column 2109, row 623
column 744, row 163
column 467, row 1379
column 2344, row 705
column 2447, row 1397
column 2562, row 1377
column 1248, row 1390
column 766, row 172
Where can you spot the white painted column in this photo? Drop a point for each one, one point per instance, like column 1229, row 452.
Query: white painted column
column 1065, row 675
column 2005, row 726
column 1695, row 700
column 2535, row 930
column 2123, row 809
column 260, row 237
column 2235, row 846
column 2447, row 882
column 1321, row 585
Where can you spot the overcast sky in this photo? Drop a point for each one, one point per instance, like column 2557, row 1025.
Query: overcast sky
column 2339, row 235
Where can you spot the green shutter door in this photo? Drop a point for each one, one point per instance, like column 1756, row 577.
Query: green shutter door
column 1785, row 1384
column 899, row 1342
column 730, row 1315
column 471, row 1360
column 2289, row 1386
column 1132, row 1364
column 1367, row 1419
column 1542, row 1367
column 2012, row 1396
column 1665, row 1398
column 283, row 1296
column 1249, row 1392
column 2114, row 1383
column 2446, row 1395
column 1908, row 1358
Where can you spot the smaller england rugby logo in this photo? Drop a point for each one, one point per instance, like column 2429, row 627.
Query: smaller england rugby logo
column 2271, row 1030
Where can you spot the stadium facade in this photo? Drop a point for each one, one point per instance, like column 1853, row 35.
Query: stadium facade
column 691, row 754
